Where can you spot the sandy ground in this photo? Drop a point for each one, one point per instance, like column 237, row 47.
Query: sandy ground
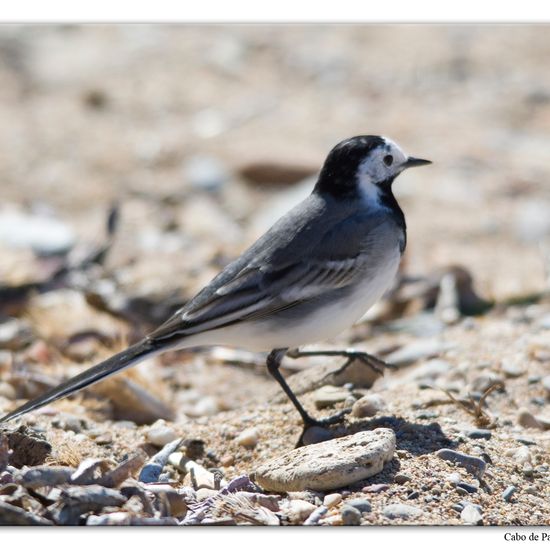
column 172, row 122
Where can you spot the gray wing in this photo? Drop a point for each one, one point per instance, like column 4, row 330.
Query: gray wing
column 297, row 260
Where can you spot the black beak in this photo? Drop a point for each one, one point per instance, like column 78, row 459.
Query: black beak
column 411, row 162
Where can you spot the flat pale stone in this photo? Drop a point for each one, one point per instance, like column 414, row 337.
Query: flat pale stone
column 329, row 464
column 327, row 396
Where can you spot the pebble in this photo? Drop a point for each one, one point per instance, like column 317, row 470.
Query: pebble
column 248, row 438
column 7, row 390
column 332, row 500
column 521, row 455
column 227, row 460
column 299, row 510
column 14, row 334
column 350, row 515
column 368, row 406
column 362, row 504
column 42, row 476
column 421, row 349
column 466, row 488
column 432, row 370
column 402, row 479
column 478, row 434
column 205, row 173
column 375, row 488
column 472, row 464
column 206, row 406
column 152, row 471
column 329, row 464
column 532, row 220
column 454, row 478
column 528, row 420
column 159, row 434
column 508, row 493
column 401, row 511
column 482, row 383
column 511, row 370
column 203, row 478
column 44, row 235
column 326, row 396
column 471, row 514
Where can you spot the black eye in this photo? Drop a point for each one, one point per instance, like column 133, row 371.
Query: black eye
column 388, row 159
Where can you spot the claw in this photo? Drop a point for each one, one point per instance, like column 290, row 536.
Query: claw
column 320, row 423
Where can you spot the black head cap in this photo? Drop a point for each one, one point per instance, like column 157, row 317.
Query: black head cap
column 338, row 175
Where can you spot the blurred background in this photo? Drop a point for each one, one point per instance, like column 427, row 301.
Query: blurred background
column 136, row 161
column 205, row 135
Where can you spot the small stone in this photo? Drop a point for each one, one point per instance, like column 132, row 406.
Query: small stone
column 248, row 438
column 375, row 488
column 421, row 349
column 368, row 406
column 227, row 460
column 402, row 479
column 29, row 448
column 508, row 493
column 197, row 476
column 362, row 504
column 7, row 391
column 431, row 370
column 44, row 235
column 510, row 369
column 350, row 515
column 482, row 383
column 401, row 511
column 332, row 500
column 478, row 434
column 466, row 487
column 15, row 334
column 206, row 406
column 299, row 510
column 205, row 173
column 454, row 478
column 546, row 385
column 521, row 455
column 330, row 464
column 472, row 464
column 528, row 420
column 275, row 172
column 159, row 434
column 326, row 396
column 471, row 515
column 43, row 476
column 413, row 496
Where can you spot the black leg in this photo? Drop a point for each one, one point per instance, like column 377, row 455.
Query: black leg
column 273, row 363
column 366, row 358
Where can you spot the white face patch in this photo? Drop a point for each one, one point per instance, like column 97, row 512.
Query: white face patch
column 383, row 163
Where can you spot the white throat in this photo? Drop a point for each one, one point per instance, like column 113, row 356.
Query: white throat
column 365, row 179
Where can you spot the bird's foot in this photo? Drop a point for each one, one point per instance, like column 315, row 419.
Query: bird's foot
column 327, row 421
column 314, row 431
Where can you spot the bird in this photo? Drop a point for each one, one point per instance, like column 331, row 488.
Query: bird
column 312, row 275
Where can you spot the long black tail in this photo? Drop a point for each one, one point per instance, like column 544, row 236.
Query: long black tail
column 106, row 368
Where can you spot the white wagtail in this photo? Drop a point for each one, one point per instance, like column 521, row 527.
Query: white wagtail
column 312, row 275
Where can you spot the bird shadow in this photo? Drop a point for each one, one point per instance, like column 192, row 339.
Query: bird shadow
column 416, row 439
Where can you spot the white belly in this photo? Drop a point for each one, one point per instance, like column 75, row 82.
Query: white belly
column 326, row 323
